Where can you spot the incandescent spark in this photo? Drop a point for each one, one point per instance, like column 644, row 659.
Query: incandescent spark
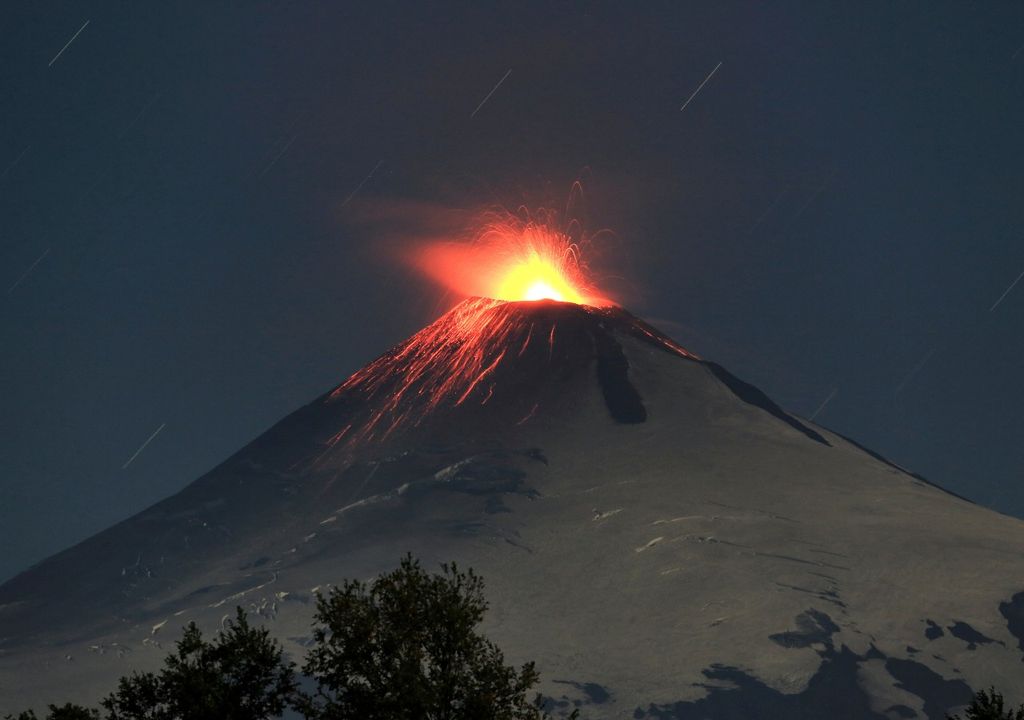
column 513, row 260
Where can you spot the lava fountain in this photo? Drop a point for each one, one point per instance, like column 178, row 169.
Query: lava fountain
column 513, row 260
column 531, row 315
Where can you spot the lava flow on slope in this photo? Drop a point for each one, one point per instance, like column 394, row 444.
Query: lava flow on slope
column 533, row 317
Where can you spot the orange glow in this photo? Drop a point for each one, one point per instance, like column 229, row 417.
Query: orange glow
column 443, row 364
column 512, row 260
column 475, row 356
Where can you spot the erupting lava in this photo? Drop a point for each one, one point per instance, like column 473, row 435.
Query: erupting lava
column 513, row 260
column 493, row 342
column 488, row 353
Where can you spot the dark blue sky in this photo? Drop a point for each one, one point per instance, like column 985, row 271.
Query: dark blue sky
column 843, row 200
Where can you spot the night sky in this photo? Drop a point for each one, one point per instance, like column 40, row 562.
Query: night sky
column 202, row 207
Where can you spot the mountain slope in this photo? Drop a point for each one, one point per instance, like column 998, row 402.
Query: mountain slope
column 662, row 538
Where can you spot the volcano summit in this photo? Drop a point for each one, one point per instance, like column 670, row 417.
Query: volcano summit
column 658, row 535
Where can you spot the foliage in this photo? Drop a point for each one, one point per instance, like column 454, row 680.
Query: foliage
column 406, row 647
column 241, row 675
column 989, row 705
column 68, row 711
column 402, row 647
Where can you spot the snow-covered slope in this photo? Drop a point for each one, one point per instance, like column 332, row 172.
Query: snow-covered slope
column 661, row 538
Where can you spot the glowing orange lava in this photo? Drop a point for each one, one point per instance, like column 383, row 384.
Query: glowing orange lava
column 460, row 361
column 479, row 354
column 512, row 260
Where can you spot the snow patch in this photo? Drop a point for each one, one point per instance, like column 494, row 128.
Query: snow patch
column 650, row 544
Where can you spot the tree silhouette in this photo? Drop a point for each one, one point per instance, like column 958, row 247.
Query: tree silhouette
column 68, row 711
column 405, row 647
column 402, row 647
column 989, row 705
column 241, row 675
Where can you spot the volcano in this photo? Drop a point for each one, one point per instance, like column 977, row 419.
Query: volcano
column 662, row 538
